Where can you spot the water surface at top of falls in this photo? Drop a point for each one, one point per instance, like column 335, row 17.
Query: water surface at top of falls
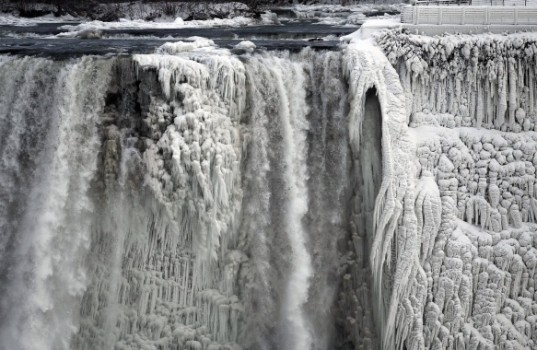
column 61, row 40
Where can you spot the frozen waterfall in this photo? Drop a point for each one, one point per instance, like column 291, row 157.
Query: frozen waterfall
column 379, row 196
column 184, row 199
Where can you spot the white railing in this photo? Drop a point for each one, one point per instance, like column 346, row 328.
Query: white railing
column 473, row 15
column 504, row 3
column 529, row 3
column 442, row 2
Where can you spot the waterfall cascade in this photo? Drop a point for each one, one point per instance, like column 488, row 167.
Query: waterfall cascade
column 376, row 197
column 184, row 199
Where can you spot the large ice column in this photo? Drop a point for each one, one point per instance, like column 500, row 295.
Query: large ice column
column 49, row 156
column 395, row 247
column 367, row 177
column 180, row 266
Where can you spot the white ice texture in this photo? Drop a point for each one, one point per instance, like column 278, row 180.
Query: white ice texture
column 471, row 222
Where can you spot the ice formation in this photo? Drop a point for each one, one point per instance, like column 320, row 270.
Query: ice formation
column 394, row 242
column 471, row 111
column 378, row 197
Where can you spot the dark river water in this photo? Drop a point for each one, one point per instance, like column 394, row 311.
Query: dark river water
column 41, row 39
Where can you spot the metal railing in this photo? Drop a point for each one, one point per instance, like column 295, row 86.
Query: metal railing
column 442, row 2
column 530, row 3
column 469, row 15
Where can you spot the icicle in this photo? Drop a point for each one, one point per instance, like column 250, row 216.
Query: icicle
column 428, row 212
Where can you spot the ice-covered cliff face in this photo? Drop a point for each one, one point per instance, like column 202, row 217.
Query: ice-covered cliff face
column 471, row 108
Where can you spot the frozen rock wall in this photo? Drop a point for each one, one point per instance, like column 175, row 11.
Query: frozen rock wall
column 257, row 193
column 471, row 109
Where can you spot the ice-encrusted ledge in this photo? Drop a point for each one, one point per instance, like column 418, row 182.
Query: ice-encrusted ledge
column 395, row 223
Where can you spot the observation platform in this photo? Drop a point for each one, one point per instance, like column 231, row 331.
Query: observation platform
column 448, row 16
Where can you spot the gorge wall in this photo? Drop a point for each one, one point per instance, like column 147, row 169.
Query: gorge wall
column 380, row 196
column 471, row 112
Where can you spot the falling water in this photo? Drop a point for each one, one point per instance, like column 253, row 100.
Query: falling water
column 48, row 154
column 183, row 199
